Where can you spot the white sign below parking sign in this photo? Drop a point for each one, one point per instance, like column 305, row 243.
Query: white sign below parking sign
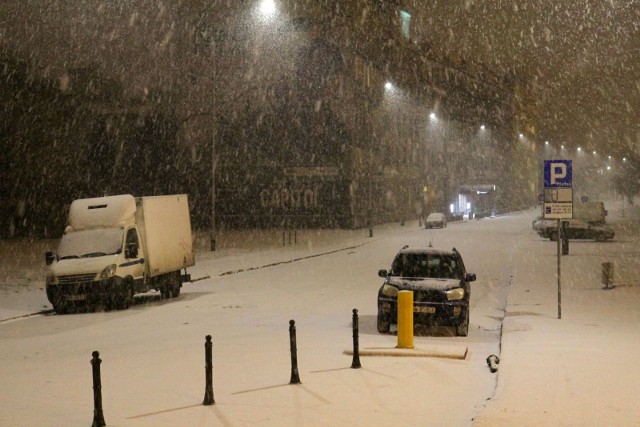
column 558, row 210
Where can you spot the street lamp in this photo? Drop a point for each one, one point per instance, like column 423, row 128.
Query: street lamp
column 267, row 7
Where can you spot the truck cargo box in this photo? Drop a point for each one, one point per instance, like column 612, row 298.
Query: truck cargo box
column 165, row 223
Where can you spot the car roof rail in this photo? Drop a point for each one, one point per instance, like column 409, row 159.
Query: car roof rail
column 405, row 247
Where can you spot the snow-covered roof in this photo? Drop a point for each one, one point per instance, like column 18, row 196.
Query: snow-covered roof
column 110, row 211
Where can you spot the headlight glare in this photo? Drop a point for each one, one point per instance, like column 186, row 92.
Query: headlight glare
column 455, row 294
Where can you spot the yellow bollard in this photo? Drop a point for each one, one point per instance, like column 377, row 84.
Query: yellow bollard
column 405, row 319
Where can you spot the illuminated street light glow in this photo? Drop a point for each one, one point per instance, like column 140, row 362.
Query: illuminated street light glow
column 482, row 127
column 521, row 136
column 579, row 148
column 267, row 7
column 594, row 152
column 388, row 86
column 546, row 143
column 432, row 116
column 562, row 147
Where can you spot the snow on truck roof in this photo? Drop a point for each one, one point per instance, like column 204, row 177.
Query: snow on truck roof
column 101, row 211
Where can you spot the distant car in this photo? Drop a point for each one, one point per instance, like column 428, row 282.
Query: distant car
column 540, row 222
column 578, row 229
column 435, row 219
column 440, row 285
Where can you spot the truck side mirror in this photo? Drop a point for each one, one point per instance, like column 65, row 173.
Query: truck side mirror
column 131, row 251
column 382, row 273
column 49, row 257
column 471, row 277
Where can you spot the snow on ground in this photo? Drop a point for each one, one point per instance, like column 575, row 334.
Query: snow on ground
column 582, row 369
column 577, row 370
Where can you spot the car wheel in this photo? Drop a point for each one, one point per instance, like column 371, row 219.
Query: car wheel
column 383, row 324
column 462, row 330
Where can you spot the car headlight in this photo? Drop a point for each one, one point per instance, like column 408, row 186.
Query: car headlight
column 455, row 294
column 389, row 291
column 108, row 272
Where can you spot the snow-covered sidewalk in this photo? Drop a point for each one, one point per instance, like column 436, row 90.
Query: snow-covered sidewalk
column 581, row 369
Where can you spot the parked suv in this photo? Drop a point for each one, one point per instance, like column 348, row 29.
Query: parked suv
column 440, row 285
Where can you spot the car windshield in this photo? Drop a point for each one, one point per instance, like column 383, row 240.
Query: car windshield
column 434, row 217
column 90, row 243
column 420, row 265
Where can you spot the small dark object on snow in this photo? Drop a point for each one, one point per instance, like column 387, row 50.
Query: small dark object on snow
column 493, row 362
column 295, row 377
column 355, row 364
column 98, row 416
column 208, row 372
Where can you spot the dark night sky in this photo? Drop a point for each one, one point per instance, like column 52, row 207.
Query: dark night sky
column 583, row 56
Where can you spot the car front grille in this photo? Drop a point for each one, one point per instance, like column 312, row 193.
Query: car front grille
column 76, row 278
column 429, row 296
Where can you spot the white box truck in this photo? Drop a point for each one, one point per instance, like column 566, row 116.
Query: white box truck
column 114, row 247
column 592, row 212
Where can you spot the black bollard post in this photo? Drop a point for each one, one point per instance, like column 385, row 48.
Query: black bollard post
column 208, row 369
column 98, row 416
column 295, row 378
column 355, row 364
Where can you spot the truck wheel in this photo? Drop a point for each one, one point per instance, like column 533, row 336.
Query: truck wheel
column 171, row 287
column 173, row 290
column 60, row 308
column 126, row 293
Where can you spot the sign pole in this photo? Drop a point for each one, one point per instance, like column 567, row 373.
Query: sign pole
column 558, row 204
column 559, row 272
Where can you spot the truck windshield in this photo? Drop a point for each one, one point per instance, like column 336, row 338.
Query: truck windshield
column 90, row 243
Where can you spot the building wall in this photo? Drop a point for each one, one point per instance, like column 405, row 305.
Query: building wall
column 285, row 120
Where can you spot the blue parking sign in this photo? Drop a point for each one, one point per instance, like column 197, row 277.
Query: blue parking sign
column 558, row 174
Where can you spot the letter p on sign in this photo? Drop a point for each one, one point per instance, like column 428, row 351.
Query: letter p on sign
column 557, row 173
